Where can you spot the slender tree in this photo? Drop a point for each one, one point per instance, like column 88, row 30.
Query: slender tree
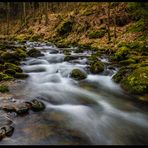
column 24, row 12
column 8, row 17
column 108, row 21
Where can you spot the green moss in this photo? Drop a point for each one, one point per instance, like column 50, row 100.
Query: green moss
column 124, row 71
column 96, row 34
column 137, row 81
column 5, row 77
column 12, row 66
column 20, row 75
column 10, row 72
column 66, row 52
column 4, row 88
column 2, row 67
column 139, row 26
column 9, row 56
column 70, row 57
column 127, row 62
column 96, row 67
column 121, row 53
column 35, row 38
column 78, row 74
column 64, row 28
column 34, row 53
column 21, row 53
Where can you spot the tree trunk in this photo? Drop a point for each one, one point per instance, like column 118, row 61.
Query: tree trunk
column 8, row 17
column 24, row 12
column 108, row 22
column 115, row 31
column 46, row 13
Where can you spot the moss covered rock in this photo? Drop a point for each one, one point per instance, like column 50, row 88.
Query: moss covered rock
column 10, row 72
column 10, row 57
column 5, row 77
column 137, row 81
column 20, row 75
column 21, row 53
column 34, row 53
column 78, row 74
column 70, row 57
column 4, row 88
column 96, row 67
column 13, row 66
column 122, row 53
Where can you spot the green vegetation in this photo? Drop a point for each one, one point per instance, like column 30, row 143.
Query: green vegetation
column 97, row 34
column 78, row 74
column 137, row 81
column 4, row 89
column 137, row 27
column 34, row 53
column 96, row 67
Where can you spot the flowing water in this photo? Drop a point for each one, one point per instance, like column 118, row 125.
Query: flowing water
column 90, row 111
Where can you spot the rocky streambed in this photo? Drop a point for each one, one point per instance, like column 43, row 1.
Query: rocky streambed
column 69, row 98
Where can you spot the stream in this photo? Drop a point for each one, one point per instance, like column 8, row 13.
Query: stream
column 92, row 111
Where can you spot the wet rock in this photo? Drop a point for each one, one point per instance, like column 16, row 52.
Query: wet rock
column 21, row 75
column 53, row 51
column 70, row 57
column 8, row 108
column 96, row 67
column 19, row 109
column 111, row 67
column 34, row 53
column 23, row 109
column 78, row 74
column 6, row 131
column 37, row 105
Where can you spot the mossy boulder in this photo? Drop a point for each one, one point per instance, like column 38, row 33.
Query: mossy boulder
column 96, row 67
column 4, row 88
column 21, row 53
column 78, row 74
column 10, row 72
column 13, row 66
column 70, row 57
column 66, row 52
column 5, row 77
column 34, row 53
column 122, row 53
column 10, row 57
column 64, row 28
column 137, row 81
column 20, row 75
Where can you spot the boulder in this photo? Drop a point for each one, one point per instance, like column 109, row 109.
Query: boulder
column 78, row 74
column 36, row 105
column 34, row 53
column 137, row 81
column 96, row 67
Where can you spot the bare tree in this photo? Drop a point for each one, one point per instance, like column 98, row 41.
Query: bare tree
column 24, row 12
column 108, row 21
